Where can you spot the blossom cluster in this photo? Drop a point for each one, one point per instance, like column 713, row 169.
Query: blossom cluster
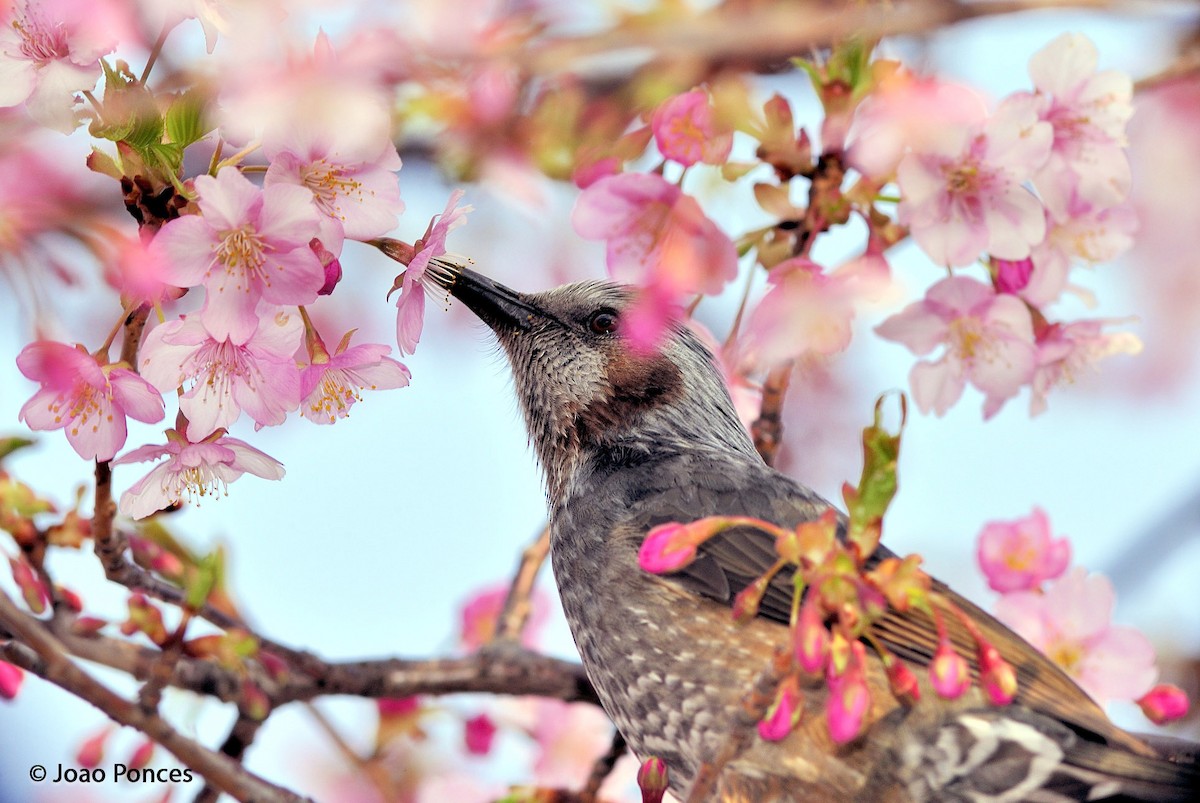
column 1039, row 185
column 1067, row 614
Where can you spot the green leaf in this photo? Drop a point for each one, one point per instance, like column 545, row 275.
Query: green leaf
column 185, row 120
column 14, row 444
column 202, row 582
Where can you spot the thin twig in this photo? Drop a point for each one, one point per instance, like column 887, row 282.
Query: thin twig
column 768, row 427
column 55, row 665
column 518, row 605
column 241, row 736
column 602, row 769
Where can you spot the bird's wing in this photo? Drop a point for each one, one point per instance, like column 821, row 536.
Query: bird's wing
column 696, row 486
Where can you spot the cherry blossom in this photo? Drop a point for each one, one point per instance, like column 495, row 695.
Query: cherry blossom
column 353, row 183
column 910, row 111
column 1164, row 703
column 1088, row 111
column 988, row 341
column 50, row 50
column 1071, row 623
column 481, row 615
column 1065, row 350
column 191, row 471
column 963, row 195
column 806, row 312
column 1088, row 235
column 330, row 383
column 686, row 130
column 410, row 306
column 86, row 399
column 247, row 244
column 1020, row 555
column 258, row 375
column 656, row 234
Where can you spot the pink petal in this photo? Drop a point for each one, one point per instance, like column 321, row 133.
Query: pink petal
column 410, row 318
column 189, row 243
column 917, row 327
column 228, row 201
column 142, row 454
column 136, row 396
column 288, row 215
column 253, row 461
column 148, row 495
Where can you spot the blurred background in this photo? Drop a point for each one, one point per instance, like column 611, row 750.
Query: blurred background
column 390, row 521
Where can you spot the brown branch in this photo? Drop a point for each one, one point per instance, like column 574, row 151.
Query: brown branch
column 55, row 665
column 768, row 427
column 762, row 36
column 241, row 735
column 602, row 769
column 518, row 604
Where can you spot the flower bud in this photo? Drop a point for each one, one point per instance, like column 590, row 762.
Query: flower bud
column 812, row 638
column 784, row 714
column 996, row 675
column 948, row 671
column 478, row 734
column 10, row 680
column 1164, row 703
column 653, row 780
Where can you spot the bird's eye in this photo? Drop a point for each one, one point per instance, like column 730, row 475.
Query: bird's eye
column 603, row 322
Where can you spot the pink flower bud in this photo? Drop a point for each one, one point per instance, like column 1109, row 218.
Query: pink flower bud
column 87, row 626
column 72, row 600
column 32, row 588
column 849, row 698
column 398, row 706
column 478, row 734
column 331, row 264
column 903, row 682
column 1012, row 277
column 254, row 701
column 1164, row 703
column 276, row 667
column 812, row 638
column 10, row 680
column 948, row 671
column 142, row 755
column 666, row 549
column 91, row 752
column 652, row 780
column 996, row 675
column 784, row 714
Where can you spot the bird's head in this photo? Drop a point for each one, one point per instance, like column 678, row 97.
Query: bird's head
column 586, row 391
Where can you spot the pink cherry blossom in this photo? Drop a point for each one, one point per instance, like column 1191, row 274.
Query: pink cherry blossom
column 1087, row 235
column 806, row 313
column 11, row 678
column 1020, row 555
column 686, row 130
column 138, row 270
column 571, row 736
column 1071, row 623
column 905, row 112
column 330, row 384
column 988, row 341
column 192, row 471
column 86, row 399
column 50, row 50
column 258, row 375
column 410, row 306
column 1065, row 350
column 963, row 194
column 353, row 183
column 656, row 234
column 1088, row 111
column 246, row 245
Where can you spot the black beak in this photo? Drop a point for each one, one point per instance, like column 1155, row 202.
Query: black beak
column 499, row 307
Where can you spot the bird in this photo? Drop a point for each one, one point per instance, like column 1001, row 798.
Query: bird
column 630, row 439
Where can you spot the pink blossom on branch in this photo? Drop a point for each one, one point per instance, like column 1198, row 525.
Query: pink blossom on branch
column 11, row 678
column 656, row 234
column 1065, row 350
column 1088, row 111
column 963, row 195
column 258, row 375
column 1071, row 624
column 686, row 130
column 1164, row 703
column 988, row 340
column 246, row 245
column 191, row 471
column 410, row 306
column 1020, row 555
column 353, row 183
column 87, row 400
column 50, row 50
column 330, row 384
column 805, row 313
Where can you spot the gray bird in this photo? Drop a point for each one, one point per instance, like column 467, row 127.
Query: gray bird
column 629, row 441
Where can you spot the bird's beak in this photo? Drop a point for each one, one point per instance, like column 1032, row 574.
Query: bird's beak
column 496, row 305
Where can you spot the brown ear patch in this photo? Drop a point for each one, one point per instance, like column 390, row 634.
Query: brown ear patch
column 636, row 383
